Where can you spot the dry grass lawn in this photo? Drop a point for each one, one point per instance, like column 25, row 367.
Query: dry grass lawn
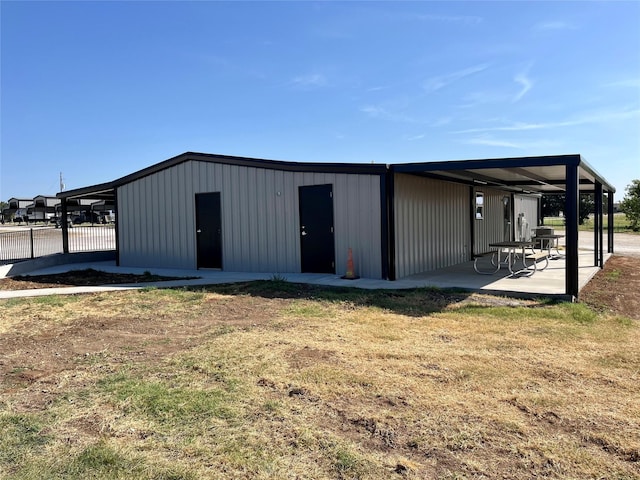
column 270, row 380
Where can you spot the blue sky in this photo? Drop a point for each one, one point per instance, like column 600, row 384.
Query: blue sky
column 98, row 90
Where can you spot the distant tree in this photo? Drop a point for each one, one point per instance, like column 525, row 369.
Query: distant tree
column 552, row 205
column 630, row 205
column 586, row 207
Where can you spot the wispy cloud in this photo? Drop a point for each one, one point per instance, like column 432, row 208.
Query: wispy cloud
column 442, row 121
column 591, row 118
column 465, row 19
column 312, row 80
column 554, row 25
column 436, row 83
column 490, row 141
column 414, row 137
column 504, row 94
column 628, row 82
column 526, row 82
column 379, row 112
column 493, row 142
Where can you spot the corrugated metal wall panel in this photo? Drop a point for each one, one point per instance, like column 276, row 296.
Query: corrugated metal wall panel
column 259, row 217
column 492, row 227
column 527, row 204
column 432, row 224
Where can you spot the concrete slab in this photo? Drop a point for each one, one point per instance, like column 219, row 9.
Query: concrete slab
column 549, row 282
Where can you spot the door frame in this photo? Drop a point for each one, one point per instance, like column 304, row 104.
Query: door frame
column 217, row 263
column 332, row 249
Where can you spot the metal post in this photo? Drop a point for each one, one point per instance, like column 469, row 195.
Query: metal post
column 31, row 242
column 572, row 204
column 115, row 212
column 610, row 226
column 390, row 184
column 598, row 231
column 65, row 226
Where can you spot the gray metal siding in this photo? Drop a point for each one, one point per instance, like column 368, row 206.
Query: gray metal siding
column 491, row 228
column 259, row 217
column 527, row 204
column 432, row 226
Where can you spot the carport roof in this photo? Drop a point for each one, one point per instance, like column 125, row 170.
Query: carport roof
column 547, row 174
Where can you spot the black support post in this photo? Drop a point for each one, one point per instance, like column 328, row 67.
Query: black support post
column 472, row 222
column 115, row 212
column 572, row 204
column 598, row 229
column 391, row 223
column 65, row 226
column 384, row 222
column 610, row 222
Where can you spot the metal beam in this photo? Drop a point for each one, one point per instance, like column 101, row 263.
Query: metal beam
column 391, row 215
column 384, row 226
column 64, row 225
column 572, row 202
column 117, row 214
column 610, row 221
column 598, row 230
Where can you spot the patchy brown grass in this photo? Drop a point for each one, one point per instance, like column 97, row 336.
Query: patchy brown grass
column 274, row 380
column 75, row 278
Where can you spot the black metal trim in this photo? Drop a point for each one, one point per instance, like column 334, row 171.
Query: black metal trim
column 472, row 221
column 64, row 219
column 347, row 168
column 117, row 228
column 572, row 202
column 384, row 229
column 447, row 169
column 501, row 163
column 597, row 227
column 610, row 221
column 391, row 223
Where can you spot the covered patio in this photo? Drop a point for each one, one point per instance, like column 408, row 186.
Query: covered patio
column 549, row 282
column 570, row 175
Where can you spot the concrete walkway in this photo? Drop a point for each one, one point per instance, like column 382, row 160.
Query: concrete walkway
column 549, row 282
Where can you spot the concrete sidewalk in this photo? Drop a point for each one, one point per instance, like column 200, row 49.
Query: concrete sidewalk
column 203, row 277
column 549, row 282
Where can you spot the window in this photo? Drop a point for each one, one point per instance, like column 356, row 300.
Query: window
column 479, row 206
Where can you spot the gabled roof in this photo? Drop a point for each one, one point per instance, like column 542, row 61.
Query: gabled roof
column 19, row 202
column 45, row 201
column 102, row 190
column 545, row 174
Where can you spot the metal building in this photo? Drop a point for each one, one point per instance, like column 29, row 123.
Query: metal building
column 241, row 214
column 204, row 211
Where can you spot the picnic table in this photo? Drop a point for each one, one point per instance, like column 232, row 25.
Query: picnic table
column 512, row 250
column 549, row 242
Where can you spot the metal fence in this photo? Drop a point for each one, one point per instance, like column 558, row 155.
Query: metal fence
column 24, row 243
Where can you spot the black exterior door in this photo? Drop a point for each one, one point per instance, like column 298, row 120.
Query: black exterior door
column 209, row 230
column 317, row 248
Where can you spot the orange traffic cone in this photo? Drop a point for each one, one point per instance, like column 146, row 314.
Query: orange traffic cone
column 350, row 273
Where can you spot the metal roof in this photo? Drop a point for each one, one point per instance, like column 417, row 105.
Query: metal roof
column 546, row 174
column 102, row 191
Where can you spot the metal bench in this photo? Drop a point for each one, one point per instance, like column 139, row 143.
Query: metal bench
column 538, row 256
column 494, row 263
